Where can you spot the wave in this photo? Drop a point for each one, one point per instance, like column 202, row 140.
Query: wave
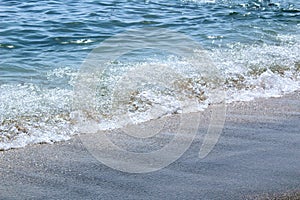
column 79, row 41
column 7, row 46
column 32, row 113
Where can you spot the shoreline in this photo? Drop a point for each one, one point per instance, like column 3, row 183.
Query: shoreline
column 258, row 153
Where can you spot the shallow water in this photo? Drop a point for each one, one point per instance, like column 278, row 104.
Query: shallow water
column 254, row 44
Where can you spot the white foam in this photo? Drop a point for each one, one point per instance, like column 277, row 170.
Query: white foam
column 33, row 114
column 267, row 85
column 260, row 71
column 80, row 41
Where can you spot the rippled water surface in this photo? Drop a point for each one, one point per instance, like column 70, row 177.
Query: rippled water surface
column 254, row 43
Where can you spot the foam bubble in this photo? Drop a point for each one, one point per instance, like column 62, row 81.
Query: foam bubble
column 80, row 41
column 31, row 114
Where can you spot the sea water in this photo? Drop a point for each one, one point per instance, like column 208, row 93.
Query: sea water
column 254, row 44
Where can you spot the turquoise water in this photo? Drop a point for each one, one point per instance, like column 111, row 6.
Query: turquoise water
column 37, row 36
column 255, row 43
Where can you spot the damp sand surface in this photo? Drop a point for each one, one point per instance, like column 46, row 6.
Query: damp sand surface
column 257, row 157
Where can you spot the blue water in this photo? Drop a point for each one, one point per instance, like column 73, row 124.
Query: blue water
column 43, row 44
column 37, row 36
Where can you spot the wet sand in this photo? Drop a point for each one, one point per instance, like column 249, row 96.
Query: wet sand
column 258, row 154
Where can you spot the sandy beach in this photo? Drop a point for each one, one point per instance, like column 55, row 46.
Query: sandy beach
column 175, row 99
column 258, row 154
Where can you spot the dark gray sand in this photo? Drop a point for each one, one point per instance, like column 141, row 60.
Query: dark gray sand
column 258, row 154
column 290, row 195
